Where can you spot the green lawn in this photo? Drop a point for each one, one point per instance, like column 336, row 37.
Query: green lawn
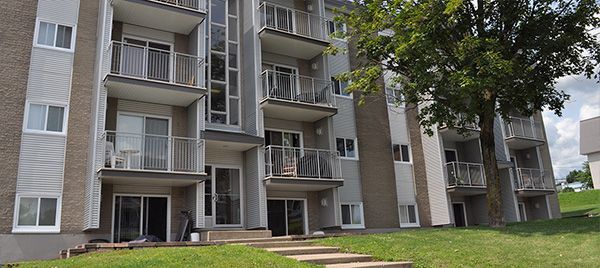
column 570, row 242
column 575, row 204
column 210, row 256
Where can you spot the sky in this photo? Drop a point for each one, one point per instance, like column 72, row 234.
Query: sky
column 563, row 132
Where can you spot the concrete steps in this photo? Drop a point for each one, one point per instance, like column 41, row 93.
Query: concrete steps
column 287, row 251
column 332, row 258
column 306, row 251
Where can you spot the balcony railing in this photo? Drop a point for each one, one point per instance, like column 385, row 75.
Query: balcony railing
column 465, row 174
column 523, row 128
column 471, row 126
column 531, row 179
column 155, row 64
column 188, row 4
column 297, row 88
column 291, row 162
column 293, row 21
column 153, row 152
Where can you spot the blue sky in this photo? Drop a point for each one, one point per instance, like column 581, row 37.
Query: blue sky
column 563, row 132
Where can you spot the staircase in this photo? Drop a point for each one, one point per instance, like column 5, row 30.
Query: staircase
column 305, row 251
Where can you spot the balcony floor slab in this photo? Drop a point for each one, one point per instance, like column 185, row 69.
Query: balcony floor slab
column 145, row 177
column 297, row 46
column 301, row 184
column 296, row 111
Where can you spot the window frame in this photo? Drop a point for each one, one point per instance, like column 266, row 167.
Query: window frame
column 362, row 216
column 38, row 22
column 344, row 29
column 45, row 131
column 37, row 228
column 408, row 224
column 283, row 132
column 345, row 150
column 394, row 91
column 334, row 82
column 401, row 161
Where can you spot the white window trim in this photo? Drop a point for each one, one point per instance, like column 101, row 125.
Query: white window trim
column 46, row 132
column 410, row 156
column 402, row 104
column 355, row 148
column 349, row 96
column 305, row 229
column 362, row 216
column 37, row 29
column 213, row 217
column 455, row 154
column 344, row 29
column 408, row 225
column 37, row 229
column 114, row 199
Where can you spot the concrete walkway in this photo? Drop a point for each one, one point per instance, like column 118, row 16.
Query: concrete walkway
column 306, row 251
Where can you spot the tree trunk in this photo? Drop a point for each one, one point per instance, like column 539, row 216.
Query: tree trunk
column 488, row 151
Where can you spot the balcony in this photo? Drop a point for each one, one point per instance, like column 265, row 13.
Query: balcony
column 178, row 16
column 532, row 182
column 296, row 97
column 302, row 169
column 151, row 159
column 465, row 178
column 292, row 32
column 523, row 133
column 153, row 75
column 452, row 133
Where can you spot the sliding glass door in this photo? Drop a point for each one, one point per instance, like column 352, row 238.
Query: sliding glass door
column 286, row 217
column 143, row 141
column 140, row 215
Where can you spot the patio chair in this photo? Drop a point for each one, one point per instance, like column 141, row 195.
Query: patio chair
column 111, row 158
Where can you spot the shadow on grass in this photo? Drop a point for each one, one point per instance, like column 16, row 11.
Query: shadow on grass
column 578, row 213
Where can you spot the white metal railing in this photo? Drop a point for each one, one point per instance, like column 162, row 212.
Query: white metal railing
column 531, row 179
column 293, row 21
column 155, row 64
column 295, row 162
column 153, row 152
column 523, row 128
column 188, row 4
column 465, row 174
column 471, row 126
column 298, row 88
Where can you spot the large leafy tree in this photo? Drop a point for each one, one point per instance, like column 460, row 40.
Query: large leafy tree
column 463, row 62
column 584, row 176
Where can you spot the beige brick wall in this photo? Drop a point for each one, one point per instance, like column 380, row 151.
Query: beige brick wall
column 18, row 22
column 78, row 136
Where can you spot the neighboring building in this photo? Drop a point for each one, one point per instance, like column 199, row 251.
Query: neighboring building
column 125, row 112
column 589, row 145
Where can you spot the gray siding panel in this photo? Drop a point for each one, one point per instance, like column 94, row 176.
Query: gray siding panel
column 344, row 122
column 41, row 163
column 63, row 11
column 398, row 127
column 351, row 191
column 405, row 184
column 254, row 191
column 50, row 75
column 499, row 140
column 216, row 156
column 436, row 183
column 250, row 69
column 144, row 107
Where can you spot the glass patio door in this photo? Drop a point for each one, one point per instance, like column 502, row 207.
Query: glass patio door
column 285, row 82
column 143, row 141
column 140, row 215
column 146, row 59
column 286, row 217
column 226, row 197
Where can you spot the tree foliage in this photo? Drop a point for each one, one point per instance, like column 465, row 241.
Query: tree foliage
column 584, row 176
column 470, row 60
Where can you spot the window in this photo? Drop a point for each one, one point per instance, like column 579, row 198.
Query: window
column 339, row 87
column 222, row 52
column 283, row 138
column 37, row 214
column 54, row 35
column 346, row 147
column 334, row 27
column 42, row 117
column 408, row 216
column 401, row 153
column 394, row 96
column 352, row 215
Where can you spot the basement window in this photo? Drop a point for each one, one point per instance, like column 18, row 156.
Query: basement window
column 408, row 216
column 352, row 216
column 37, row 214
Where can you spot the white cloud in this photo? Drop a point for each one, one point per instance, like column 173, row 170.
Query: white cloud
column 588, row 111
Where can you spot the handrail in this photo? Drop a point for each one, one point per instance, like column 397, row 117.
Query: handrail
column 531, row 179
column 292, row 21
column 465, row 174
column 522, row 128
column 135, row 151
column 297, row 88
column 155, row 64
column 294, row 162
column 196, row 5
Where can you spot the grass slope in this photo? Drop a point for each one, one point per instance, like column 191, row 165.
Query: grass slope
column 576, row 204
column 210, row 256
column 571, row 242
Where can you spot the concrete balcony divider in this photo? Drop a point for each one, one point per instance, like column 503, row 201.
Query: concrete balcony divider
column 145, row 152
column 291, row 162
column 465, row 174
column 156, row 65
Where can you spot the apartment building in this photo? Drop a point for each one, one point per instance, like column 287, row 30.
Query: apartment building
column 126, row 112
column 589, row 145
